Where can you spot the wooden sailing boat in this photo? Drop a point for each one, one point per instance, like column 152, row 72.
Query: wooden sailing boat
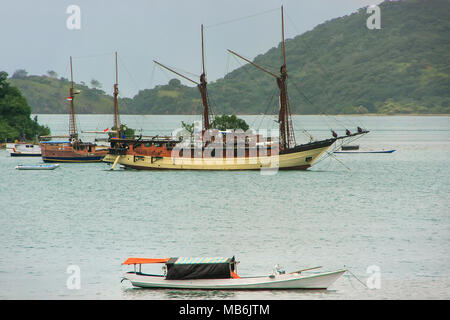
column 73, row 150
column 217, row 150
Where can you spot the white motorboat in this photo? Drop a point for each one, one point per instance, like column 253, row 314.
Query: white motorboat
column 24, row 150
column 220, row 273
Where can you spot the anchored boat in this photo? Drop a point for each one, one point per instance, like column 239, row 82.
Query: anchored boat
column 73, row 150
column 350, row 149
column 24, row 150
column 215, row 150
column 37, row 167
column 220, row 273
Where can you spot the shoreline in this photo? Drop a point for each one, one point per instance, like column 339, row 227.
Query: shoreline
column 294, row 114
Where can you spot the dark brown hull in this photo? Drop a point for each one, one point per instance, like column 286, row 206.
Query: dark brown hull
column 65, row 152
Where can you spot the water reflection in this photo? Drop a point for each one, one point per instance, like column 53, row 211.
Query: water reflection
column 181, row 294
column 187, row 294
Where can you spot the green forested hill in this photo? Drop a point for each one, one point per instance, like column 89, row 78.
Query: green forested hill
column 338, row 67
column 48, row 95
column 343, row 67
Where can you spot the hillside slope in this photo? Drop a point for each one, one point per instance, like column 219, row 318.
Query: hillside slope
column 338, row 67
column 343, row 67
column 48, row 95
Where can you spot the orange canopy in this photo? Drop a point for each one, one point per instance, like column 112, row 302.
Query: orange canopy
column 145, row 260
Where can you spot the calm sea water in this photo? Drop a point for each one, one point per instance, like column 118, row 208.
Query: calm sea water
column 384, row 210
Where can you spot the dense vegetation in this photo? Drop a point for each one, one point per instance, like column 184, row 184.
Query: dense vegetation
column 225, row 122
column 124, row 132
column 222, row 123
column 343, row 67
column 15, row 120
column 47, row 94
column 338, row 67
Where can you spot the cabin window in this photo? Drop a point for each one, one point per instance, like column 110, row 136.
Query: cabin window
column 157, row 144
column 308, row 159
column 148, row 144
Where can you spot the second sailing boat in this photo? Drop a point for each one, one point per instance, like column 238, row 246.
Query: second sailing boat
column 73, row 150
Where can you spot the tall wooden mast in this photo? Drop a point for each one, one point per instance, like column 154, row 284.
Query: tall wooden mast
column 116, row 104
column 72, row 124
column 202, row 87
column 287, row 135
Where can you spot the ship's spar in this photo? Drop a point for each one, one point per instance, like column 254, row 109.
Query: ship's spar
column 287, row 135
column 206, row 114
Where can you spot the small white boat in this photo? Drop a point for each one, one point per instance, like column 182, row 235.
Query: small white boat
column 368, row 151
column 355, row 149
column 24, row 150
column 38, row 167
column 220, row 273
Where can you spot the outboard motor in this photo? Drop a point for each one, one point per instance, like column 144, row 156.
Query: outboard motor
column 277, row 270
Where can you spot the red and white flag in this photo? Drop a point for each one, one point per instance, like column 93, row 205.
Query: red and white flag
column 69, row 98
column 106, row 130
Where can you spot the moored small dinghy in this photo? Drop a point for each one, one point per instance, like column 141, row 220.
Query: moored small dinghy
column 355, row 149
column 37, row 167
column 220, row 273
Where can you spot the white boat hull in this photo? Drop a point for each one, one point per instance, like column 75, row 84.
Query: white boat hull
column 38, row 167
column 282, row 281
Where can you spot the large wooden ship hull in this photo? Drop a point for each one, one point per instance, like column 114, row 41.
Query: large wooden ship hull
column 66, row 152
column 298, row 158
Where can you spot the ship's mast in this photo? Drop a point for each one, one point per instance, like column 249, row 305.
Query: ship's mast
column 200, row 85
column 287, row 136
column 116, row 105
column 72, row 124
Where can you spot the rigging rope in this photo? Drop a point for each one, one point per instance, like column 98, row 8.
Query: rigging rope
column 122, row 63
column 242, row 18
column 323, row 74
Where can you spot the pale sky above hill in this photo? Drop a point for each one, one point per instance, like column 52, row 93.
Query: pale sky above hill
column 35, row 36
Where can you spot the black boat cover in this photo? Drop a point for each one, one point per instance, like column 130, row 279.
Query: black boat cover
column 199, row 268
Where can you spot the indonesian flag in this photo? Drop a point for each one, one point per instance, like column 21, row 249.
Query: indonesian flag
column 69, row 98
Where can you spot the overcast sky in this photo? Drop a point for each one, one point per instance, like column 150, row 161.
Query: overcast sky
column 35, row 36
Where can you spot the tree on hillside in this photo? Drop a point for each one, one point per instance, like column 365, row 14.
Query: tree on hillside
column 19, row 74
column 225, row 122
column 52, row 74
column 174, row 83
column 96, row 84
